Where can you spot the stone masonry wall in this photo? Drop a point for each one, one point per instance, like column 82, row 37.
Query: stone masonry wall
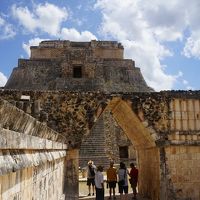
column 39, row 182
column 185, row 114
column 100, row 64
column 71, row 114
column 99, row 49
column 182, row 172
column 112, row 148
column 102, row 144
column 152, row 115
column 115, row 137
column 33, row 163
column 103, row 75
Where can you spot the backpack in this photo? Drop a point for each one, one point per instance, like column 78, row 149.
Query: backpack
column 92, row 171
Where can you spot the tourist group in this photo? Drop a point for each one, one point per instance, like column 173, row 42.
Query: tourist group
column 114, row 177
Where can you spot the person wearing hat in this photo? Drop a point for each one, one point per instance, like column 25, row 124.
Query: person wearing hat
column 91, row 168
column 99, row 183
column 112, row 179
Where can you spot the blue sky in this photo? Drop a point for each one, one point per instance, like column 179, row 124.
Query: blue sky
column 162, row 37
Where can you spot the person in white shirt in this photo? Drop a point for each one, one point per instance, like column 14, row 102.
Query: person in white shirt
column 122, row 176
column 99, row 183
column 90, row 176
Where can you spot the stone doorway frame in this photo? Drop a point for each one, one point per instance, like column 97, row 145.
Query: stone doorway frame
column 148, row 155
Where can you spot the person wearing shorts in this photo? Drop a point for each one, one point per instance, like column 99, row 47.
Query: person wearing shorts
column 91, row 168
column 133, row 179
column 122, row 175
column 112, row 179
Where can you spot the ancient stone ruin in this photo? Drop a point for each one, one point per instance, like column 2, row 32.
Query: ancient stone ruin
column 52, row 103
column 84, row 66
column 77, row 66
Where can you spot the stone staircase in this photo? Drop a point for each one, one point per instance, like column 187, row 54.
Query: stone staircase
column 93, row 148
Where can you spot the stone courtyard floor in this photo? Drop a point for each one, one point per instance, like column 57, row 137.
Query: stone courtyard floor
column 117, row 197
column 83, row 192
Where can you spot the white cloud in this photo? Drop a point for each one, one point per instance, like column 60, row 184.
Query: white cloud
column 32, row 42
column 73, row 35
column 192, row 46
column 1, row 21
column 132, row 24
column 166, row 19
column 3, row 79
column 145, row 27
column 44, row 17
column 147, row 60
column 48, row 18
column 6, row 30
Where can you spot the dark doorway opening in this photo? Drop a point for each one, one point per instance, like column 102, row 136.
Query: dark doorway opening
column 123, row 153
column 77, row 72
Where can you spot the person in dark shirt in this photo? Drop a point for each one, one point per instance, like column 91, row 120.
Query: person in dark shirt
column 133, row 179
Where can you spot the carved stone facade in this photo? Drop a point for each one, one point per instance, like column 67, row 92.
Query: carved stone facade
column 32, row 161
column 163, row 126
column 166, row 153
column 81, row 66
column 77, row 66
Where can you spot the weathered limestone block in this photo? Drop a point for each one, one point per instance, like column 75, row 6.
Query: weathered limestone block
column 14, row 160
column 14, row 119
column 182, row 172
column 43, row 182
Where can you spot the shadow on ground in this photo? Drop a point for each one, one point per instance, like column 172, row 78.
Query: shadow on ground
column 83, row 192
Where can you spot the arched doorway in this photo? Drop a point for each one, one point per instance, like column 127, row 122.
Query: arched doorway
column 148, row 159
column 147, row 153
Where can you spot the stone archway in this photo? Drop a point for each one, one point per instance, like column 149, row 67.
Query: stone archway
column 147, row 153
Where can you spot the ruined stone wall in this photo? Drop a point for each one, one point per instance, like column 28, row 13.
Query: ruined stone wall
column 112, row 147
column 103, row 142
column 40, row 182
column 98, row 49
column 100, row 64
column 71, row 114
column 115, row 138
column 185, row 114
column 145, row 118
column 57, row 74
column 182, row 172
column 33, row 162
